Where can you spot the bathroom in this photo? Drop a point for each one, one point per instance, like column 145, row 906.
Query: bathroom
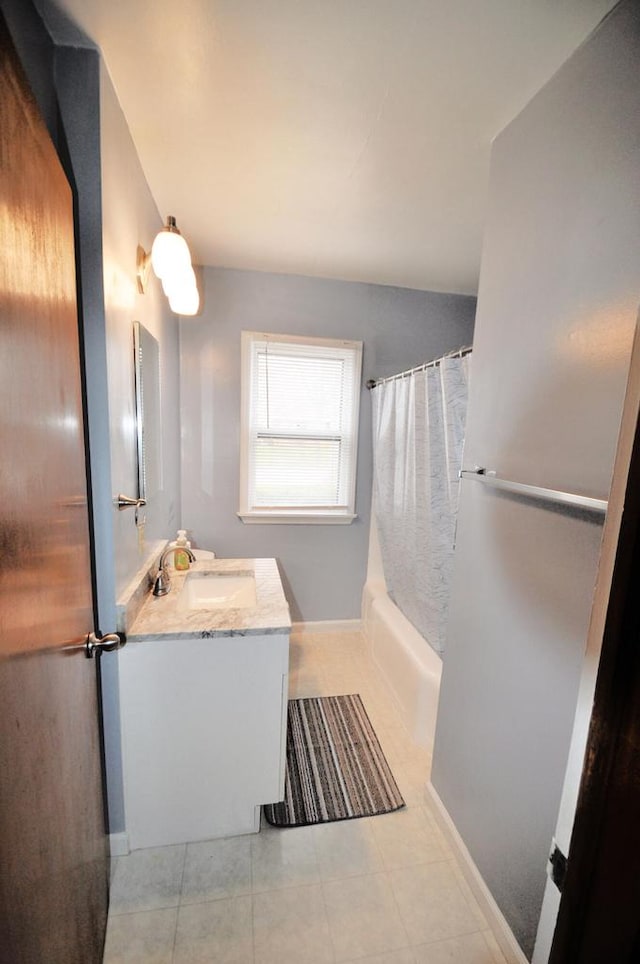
column 324, row 568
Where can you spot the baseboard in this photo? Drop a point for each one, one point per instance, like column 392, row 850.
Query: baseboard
column 329, row 626
column 495, row 918
column 119, row 844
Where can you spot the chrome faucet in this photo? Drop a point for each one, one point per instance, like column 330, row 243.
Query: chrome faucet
column 162, row 584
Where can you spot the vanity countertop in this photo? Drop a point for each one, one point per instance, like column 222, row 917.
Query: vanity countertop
column 165, row 616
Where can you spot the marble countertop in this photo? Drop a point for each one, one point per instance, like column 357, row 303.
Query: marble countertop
column 167, row 615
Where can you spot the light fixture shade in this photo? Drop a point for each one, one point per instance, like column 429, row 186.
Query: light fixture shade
column 171, row 261
column 170, row 250
column 178, row 278
column 185, row 302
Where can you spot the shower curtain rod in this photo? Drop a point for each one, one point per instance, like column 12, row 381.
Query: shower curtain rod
column 459, row 353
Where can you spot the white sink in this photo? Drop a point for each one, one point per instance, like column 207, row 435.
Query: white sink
column 218, row 590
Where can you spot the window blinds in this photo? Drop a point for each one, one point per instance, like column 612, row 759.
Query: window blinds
column 303, row 424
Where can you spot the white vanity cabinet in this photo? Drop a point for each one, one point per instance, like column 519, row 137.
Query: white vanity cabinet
column 203, row 734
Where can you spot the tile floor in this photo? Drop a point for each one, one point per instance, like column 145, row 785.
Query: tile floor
column 380, row 890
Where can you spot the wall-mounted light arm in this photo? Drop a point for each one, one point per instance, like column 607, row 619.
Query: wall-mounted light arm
column 143, row 264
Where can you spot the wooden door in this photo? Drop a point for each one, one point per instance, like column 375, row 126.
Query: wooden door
column 599, row 917
column 53, row 850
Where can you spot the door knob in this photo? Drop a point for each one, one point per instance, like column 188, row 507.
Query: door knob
column 103, row 644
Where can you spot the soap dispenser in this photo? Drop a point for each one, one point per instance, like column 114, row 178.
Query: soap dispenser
column 181, row 559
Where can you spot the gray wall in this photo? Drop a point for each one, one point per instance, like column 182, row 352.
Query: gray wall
column 557, row 308
column 324, row 567
column 130, row 218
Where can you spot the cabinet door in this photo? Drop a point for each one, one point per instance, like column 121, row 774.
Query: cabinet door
column 203, row 742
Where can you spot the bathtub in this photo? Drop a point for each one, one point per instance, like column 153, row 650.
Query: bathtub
column 409, row 667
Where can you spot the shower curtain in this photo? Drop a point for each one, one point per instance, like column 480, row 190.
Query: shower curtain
column 418, row 434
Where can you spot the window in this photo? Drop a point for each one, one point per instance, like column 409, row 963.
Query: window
column 300, row 403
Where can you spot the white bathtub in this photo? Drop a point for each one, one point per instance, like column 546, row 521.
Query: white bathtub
column 409, row 666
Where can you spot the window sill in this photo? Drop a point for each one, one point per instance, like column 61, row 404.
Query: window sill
column 297, row 518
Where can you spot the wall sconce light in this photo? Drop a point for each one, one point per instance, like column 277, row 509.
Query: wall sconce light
column 170, row 259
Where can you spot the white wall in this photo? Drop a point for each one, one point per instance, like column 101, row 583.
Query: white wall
column 323, row 567
column 556, row 314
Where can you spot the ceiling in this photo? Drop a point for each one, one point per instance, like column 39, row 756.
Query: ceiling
column 337, row 138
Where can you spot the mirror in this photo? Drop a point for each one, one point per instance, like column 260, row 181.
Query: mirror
column 146, row 353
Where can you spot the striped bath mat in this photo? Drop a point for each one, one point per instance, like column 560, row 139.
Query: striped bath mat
column 336, row 769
